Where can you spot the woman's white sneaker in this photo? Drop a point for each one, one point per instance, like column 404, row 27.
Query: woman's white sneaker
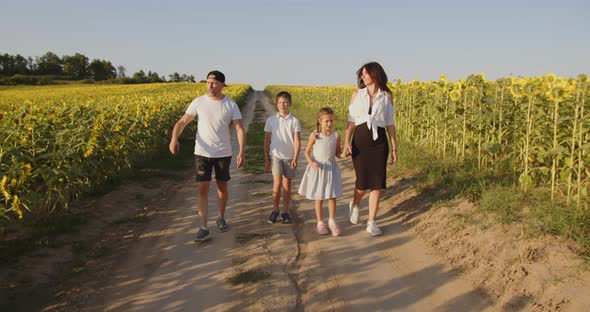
column 353, row 213
column 373, row 229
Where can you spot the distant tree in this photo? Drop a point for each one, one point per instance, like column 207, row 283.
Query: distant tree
column 12, row 65
column 175, row 77
column 76, row 66
column 32, row 65
column 121, row 70
column 49, row 64
column 22, row 65
column 140, row 76
column 102, row 70
column 153, row 77
column 7, row 64
column 191, row 78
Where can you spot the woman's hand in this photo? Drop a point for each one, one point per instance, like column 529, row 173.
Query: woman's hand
column 347, row 150
column 393, row 156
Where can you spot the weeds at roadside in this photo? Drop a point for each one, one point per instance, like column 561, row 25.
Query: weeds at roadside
column 249, row 276
column 255, row 139
column 238, row 260
column 246, row 237
column 134, row 219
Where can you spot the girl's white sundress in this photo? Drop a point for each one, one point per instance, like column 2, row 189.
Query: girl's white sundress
column 324, row 182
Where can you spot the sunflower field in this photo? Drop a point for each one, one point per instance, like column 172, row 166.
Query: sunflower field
column 60, row 142
column 535, row 130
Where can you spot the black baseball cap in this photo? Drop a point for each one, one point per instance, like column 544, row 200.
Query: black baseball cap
column 219, row 76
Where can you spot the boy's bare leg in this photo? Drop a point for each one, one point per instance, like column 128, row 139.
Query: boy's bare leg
column 286, row 194
column 276, row 192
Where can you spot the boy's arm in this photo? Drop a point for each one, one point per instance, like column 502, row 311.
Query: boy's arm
column 267, row 136
column 297, row 149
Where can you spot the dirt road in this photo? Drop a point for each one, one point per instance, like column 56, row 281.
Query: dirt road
column 166, row 271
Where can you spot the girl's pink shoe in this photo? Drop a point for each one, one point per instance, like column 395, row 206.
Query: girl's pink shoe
column 335, row 229
column 322, row 228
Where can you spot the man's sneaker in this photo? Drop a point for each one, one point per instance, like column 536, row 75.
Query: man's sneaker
column 322, row 228
column 286, row 218
column 273, row 217
column 222, row 225
column 373, row 229
column 202, row 235
column 353, row 212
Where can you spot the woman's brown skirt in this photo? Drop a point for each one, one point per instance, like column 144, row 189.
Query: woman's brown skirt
column 369, row 158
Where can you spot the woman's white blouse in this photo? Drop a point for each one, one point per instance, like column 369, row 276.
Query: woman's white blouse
column 381, row 114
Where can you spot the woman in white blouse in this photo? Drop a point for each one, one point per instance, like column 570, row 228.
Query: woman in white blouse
column 371, row 113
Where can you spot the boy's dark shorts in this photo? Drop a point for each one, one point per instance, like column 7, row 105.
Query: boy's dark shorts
column 204, row 167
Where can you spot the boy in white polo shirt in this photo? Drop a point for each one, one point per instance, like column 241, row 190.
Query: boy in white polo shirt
column 282, row 144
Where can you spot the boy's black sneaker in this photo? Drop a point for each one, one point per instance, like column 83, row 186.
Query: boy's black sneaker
column 273, row 217
column 286, row 218
column 202, row 234
column 222, row 225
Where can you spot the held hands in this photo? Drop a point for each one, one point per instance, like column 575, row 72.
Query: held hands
column 346, row 151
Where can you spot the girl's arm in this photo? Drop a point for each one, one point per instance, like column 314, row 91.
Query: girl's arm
column 308, row 150
column 339, row 152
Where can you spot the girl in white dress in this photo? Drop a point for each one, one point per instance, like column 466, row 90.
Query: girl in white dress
column 322, row 179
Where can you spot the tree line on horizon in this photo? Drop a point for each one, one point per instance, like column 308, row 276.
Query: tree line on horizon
column 52, row 69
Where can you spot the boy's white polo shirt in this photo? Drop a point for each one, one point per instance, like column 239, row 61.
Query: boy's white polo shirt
column 282, row 131
column 213, row 127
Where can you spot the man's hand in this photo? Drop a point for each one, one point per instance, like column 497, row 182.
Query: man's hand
column 174, row 147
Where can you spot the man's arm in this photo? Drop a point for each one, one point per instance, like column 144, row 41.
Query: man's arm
column 174, row 145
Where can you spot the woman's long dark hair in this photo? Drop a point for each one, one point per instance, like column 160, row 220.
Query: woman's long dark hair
column 378, row 75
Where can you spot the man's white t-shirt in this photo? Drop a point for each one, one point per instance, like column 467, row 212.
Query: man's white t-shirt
column 213, row 126
column 282, row 135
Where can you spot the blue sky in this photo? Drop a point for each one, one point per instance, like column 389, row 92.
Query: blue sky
column 309, row 42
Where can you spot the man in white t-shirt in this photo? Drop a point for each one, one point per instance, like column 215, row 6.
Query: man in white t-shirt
column 213, row 151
